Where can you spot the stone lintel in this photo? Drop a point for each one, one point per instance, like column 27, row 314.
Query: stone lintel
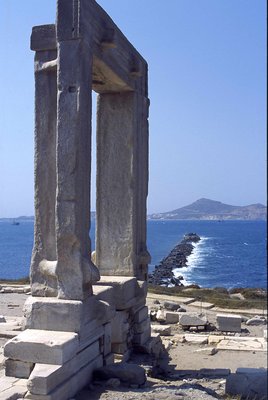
column 86, row 20
column 43, row 38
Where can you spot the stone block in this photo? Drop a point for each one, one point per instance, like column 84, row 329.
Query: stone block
column 105, row 293
column 38, row 346
column 228, row 322
column 125, row 289
column 142, row 326
column 163, row 330
column 171, row 317
column 192, row 319
column 90, row 336
column 120, row 326
column 141, row 315
column 107, row 339
column 51, row 313
column 18, row 369
column 197, row 339
column 119, row 348
column 250, row 383
column 212, row 339
column 208, row 351
column 171, row 306
column 45, row 378
column 141, row 338
column 70, row 386
column 108, row 359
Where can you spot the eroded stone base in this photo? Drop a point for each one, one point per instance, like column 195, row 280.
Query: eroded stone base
column 66, row 340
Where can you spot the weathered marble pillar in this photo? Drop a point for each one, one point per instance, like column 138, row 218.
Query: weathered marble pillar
column 75, row 271
column 44, row 251
column 122, row 180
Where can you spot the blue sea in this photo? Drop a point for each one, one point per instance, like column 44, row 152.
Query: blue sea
column 230, row 253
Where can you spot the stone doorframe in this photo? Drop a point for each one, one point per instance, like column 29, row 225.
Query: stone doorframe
column 85, row 50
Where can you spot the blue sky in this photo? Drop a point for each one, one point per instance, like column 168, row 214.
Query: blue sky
column 207, row 86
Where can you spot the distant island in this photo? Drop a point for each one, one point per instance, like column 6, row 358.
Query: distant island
column 202, row 209
column 205, row 209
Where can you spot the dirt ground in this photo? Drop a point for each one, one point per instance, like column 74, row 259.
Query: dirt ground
column 180, row 378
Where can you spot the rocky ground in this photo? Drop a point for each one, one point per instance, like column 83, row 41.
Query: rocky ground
column 191, row 368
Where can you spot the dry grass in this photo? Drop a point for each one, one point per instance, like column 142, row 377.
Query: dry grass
column 254, row 298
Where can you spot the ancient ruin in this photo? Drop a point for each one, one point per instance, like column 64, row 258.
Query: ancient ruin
column 85, row 308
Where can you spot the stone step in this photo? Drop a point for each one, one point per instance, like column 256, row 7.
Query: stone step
column 40, row 346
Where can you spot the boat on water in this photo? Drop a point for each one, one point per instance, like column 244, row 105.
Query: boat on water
column 15, row 222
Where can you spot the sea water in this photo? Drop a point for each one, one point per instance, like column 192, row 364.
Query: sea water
column 230, row 253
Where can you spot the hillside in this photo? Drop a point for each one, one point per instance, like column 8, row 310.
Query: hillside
column 205, row 209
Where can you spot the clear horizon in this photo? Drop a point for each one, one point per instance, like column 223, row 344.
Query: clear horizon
column 207, row 88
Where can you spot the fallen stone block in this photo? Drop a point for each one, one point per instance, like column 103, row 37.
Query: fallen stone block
column 127, row 373
column 192, row 319
column 160, row 316
column 256, row 321
column 171, row 306
column 213, row 339
column 163, row 330
column 209, row 351
column 38, row 346
column 248, row 344
column 229, row 322
column 171, row 317
column 196, row 339
column 2, row 318
column 18, row 369
column 250, row 383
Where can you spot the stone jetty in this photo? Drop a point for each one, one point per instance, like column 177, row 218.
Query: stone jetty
column 177, row 258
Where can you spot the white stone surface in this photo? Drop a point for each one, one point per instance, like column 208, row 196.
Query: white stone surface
column 70, row 387
column 12, row 388
column 45, row 378
column 124, row 288
column 197, row 339
column 163, row 330
column 38, row 346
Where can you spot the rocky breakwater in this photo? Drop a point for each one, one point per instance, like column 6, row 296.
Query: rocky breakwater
column 177, row 258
